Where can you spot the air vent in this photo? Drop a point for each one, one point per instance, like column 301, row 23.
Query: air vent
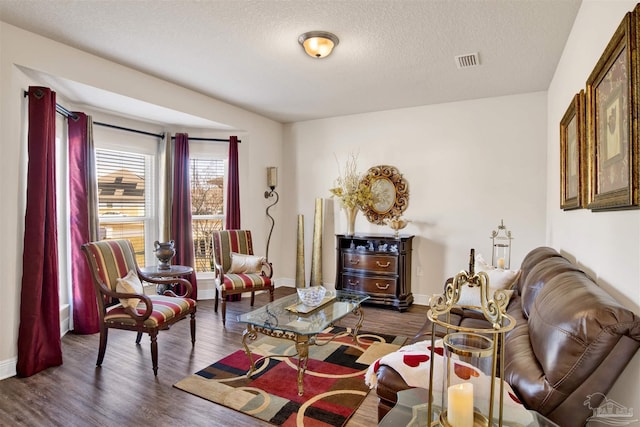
column 467, row 61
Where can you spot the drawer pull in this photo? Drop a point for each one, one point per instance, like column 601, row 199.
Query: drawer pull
column 379, row 264
column 356, row 283
column 382, row 287
column 354, row 261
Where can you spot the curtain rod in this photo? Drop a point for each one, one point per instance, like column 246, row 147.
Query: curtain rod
column 207, row 139
column 157, row 135
column 68, row 114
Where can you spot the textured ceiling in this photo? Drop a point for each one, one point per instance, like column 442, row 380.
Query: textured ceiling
column 392, row 53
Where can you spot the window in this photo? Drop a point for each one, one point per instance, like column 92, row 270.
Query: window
column 207, row 207
column 124, row 202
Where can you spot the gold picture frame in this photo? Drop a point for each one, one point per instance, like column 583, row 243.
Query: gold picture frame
column 572, row 155
column 612, row 106
column 390, row 193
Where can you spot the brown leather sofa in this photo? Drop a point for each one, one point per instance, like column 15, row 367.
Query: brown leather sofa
column 572, row 339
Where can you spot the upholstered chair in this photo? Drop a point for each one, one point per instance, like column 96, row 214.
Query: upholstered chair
column 122, row 303
column 237, row 270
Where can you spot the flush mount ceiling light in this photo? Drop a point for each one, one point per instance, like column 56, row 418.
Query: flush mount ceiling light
column 318, row 44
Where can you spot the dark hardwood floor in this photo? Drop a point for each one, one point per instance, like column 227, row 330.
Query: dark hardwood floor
column 124, row 392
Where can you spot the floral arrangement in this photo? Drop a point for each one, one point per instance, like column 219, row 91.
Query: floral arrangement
column 349, row 188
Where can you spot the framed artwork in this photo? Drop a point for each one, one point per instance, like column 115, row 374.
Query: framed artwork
column 573, row 171
column 612, row 111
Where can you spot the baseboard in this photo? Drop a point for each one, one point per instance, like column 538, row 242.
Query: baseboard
column 8, row 368
column 285, row 282
column 419, row 299
column 64, row 319
column 206, row 294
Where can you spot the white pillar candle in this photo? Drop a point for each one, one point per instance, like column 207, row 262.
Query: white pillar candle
column 460, row 405
column 272, row 177
column 501, row 263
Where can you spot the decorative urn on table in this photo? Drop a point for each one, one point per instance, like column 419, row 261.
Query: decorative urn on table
column 164, row 252
column 396, row 224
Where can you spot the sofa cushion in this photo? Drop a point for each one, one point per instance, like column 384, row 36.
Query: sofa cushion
column 532, row 259
column 538, row 277
column 521, row 366
column 459, row 316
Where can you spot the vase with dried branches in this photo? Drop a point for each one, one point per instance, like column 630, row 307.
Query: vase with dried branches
column 353, row 194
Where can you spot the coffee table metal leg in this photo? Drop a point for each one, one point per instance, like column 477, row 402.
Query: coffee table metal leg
column 302, row 343
column 302, row 347
column 360, row 313
column 249, row 333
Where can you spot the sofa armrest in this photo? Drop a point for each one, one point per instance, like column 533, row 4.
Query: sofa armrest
column 389, row 384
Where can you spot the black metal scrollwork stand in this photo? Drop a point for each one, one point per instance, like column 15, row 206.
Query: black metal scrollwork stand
column 267, row 195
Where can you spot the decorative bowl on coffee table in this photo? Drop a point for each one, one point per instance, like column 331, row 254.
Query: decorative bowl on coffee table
column 312, row 296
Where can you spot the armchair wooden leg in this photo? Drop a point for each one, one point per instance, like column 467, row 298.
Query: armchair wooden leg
column 271, row 294
column 103, row 344
column 253, row 298
column 215, row 304
column 223, row 306
column 139, row 338
column 193, row 329
column 153, row 334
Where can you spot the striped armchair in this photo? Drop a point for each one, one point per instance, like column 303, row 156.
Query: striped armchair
column 122, row 303
column 249, row 274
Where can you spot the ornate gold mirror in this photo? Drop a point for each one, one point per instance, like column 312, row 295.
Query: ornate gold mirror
column 390, row 193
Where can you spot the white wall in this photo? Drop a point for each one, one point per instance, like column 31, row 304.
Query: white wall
column 606, row 244
column 468, row 165
column 261, row 146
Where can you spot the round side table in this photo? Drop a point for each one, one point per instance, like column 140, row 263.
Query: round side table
column 172, row 271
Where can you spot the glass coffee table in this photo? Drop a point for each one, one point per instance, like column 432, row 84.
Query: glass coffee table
column 288, row 318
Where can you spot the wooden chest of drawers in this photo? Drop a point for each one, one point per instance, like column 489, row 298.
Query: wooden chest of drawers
column 379, row 265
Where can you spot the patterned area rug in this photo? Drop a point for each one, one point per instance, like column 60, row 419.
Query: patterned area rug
column 333, row 382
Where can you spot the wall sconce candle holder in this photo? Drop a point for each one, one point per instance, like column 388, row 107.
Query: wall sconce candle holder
column 272, row 182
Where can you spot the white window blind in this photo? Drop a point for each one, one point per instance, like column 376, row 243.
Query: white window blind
column 123, row 199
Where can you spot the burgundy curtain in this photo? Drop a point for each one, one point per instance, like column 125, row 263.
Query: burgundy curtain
column 233, row 188
column 181, row 229
column 85, row 308
column 233, row 196
column 39, row 345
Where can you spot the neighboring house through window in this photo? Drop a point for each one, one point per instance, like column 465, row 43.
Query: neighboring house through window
column 207, row 177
